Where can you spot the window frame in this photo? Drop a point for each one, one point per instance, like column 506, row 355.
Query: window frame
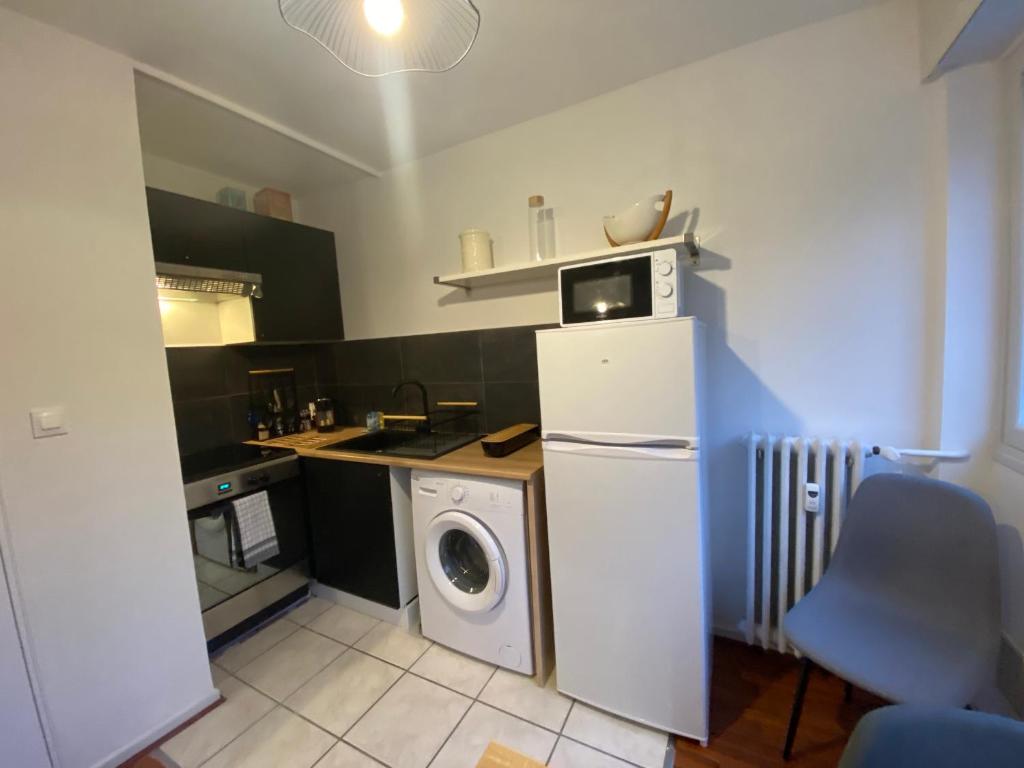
column 1010, row 451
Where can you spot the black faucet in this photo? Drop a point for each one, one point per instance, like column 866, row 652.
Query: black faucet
column 424, row 426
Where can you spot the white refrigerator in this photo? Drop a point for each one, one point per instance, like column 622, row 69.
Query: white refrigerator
column 624, row 484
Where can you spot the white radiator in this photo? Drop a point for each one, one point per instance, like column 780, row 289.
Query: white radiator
column 788, row 548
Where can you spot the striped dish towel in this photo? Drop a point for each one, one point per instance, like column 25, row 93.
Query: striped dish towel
column 255, row 538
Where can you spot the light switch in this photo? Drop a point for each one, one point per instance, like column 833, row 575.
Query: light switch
column 48, row 422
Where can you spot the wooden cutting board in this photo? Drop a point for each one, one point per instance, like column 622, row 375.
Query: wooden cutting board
column 509, row 440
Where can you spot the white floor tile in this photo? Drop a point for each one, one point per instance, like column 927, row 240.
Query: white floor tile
column 335, row 698
column 629, row 741
column 288, row 665
column 344, row 756
column 393, row 644
column 521, row 696
column 569, row 754
column 453, row 670
column 240, row 654
column 481, row 726
column 409, row 724
column 343, row 624
column 309, row 610
column 243, row 707
column 280, row 740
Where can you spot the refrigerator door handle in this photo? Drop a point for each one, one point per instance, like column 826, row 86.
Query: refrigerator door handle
column 621, row 451
column 617, row 439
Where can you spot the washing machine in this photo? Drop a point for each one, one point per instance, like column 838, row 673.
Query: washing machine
column 472, row 568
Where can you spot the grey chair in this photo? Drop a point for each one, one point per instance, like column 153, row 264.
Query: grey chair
column 909, row 606
column 924, row 737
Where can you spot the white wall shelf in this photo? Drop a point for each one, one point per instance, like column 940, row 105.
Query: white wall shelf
column 535, row 270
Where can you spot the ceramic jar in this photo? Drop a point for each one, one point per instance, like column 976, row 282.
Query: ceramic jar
column 476, row 250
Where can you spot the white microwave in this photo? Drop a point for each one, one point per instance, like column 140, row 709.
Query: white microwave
column 641, row 286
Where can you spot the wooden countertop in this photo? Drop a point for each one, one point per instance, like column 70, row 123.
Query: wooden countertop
column 523, row 464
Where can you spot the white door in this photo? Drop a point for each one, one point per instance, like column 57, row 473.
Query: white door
column 465, row 562
column 626, row 540
column 21, row 735
column 626, row 383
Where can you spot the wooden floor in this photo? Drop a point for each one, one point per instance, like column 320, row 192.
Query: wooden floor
column 751, row 696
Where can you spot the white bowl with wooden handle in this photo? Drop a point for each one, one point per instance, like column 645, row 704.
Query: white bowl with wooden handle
column 643, row 220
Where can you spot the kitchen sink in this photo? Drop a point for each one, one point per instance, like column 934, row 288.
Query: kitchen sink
column 411, row 445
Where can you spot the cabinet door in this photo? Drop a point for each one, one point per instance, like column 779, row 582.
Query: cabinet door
column 352, row 528
column 301, row 300
column 196, row 232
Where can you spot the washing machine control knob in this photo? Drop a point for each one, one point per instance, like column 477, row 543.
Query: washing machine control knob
column 458, row 493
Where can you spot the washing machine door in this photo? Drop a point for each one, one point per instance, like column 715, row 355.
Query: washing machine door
column 465, row 562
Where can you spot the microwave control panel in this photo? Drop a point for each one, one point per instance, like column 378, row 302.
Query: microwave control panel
column 668, row 284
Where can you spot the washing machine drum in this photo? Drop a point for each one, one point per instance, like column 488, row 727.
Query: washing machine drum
column 465, row 562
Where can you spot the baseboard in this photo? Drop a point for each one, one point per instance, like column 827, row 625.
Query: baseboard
column 1010, row 674
column 154, row 735
column 730, row 633
column 407, row 617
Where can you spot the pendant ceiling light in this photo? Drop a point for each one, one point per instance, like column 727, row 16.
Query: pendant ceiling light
column 380, row 37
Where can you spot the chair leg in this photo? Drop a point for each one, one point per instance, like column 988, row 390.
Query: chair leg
column 848, row 692
column 798, row 705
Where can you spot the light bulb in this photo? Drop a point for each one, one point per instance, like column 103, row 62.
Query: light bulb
column 601, row 307
column 385, row 16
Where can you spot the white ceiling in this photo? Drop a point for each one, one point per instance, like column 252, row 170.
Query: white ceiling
column 531, row 57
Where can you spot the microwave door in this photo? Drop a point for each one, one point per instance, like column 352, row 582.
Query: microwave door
column 617, row 289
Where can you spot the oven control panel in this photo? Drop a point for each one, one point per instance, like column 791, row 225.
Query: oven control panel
column 257, row 479
column 238, row 482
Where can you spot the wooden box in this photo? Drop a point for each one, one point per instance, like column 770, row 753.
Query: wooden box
column 273, row 202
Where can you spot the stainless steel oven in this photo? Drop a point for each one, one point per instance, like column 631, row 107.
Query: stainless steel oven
column 235, row 599
column 641, row 286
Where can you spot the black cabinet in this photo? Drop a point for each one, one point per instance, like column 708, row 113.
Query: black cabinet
column 195, row 232
column 352, row 528
column 301, row 300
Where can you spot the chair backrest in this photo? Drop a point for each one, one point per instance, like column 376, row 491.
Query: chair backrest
column 927, row 545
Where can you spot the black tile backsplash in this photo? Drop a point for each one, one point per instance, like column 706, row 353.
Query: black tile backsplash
column 496, row 368
column 442, row 357
column 210, row 389
column 203, row 424
column 197, row 372
column 367, row 362
column 352, row 401
column 509, row 354
column 511, row 402
column 300, row 357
